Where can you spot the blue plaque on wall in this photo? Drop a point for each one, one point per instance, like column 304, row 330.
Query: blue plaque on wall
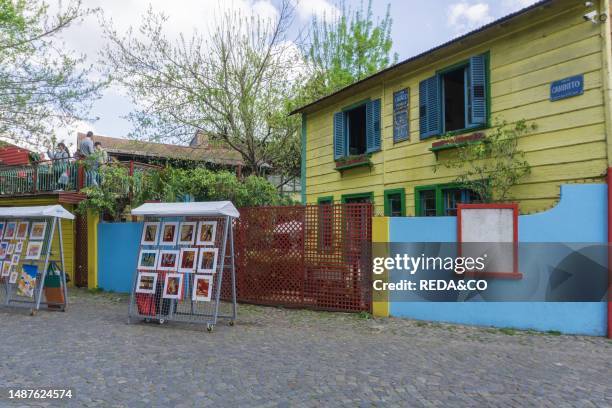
column 567, row 87
column 400, row 115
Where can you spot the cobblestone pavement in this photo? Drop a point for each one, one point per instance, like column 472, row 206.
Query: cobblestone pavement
column 281, row 358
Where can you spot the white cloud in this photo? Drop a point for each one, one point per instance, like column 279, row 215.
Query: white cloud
column 464, row 16
column 322, row 9
column 509, row 6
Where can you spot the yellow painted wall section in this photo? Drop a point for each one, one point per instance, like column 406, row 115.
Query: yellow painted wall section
column 92, row 249
column 569, row 145
column 380, row 236
column 67, row 228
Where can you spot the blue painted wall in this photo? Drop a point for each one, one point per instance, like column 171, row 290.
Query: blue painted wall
column 580, row 217
column 118, row 245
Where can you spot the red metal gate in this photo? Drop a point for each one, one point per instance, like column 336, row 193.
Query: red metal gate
column 305, row 256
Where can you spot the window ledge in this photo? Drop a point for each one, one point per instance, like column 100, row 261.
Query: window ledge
column 353, row 161
column 456, row 141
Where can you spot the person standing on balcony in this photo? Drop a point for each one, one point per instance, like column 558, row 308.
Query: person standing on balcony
column 101, row 154
column 87, row 152
column 60, row 157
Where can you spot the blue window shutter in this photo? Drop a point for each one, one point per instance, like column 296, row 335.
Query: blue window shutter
column 478, row 90
column 423, row 109
column 373, row 126
column 429, row 108
column 339, row 140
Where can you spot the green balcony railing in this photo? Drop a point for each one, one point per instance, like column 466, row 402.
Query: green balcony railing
column 58, row 175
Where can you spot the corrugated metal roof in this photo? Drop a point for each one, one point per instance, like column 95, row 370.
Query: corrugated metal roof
column 11, row 155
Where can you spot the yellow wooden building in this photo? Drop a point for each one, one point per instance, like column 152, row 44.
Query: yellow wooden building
column 549, row 64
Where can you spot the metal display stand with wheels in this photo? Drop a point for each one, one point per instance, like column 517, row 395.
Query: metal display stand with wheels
column 184, row 252
column 37, row 249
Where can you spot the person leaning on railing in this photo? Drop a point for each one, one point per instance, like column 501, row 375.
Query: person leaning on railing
column 60, row 157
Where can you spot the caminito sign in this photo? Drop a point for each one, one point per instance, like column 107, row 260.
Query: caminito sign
column 567, row 87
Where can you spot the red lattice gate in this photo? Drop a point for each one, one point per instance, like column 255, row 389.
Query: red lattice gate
column 305, row 256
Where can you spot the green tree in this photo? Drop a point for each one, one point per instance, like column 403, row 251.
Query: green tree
column 491, row 167
column 231, row 84
column 42, row 85
column 346, row 49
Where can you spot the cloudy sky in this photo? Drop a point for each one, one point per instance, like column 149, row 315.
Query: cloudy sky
column 417, row 26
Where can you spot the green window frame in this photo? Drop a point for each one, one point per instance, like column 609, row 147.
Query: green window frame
column 346, row 197
column 388, row 194
column 438, row 190
column 431, row 99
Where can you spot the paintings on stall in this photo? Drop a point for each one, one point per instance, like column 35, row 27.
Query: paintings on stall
column 38, row 230
column 208, row 260
column 13, row 277
column 188, row 260
column 19, row 247
column 11, row 249
column 2, row 225
column 27, row 280
column 11, row 229
column 168, row 260
column 173, row 285
column 202, row 288
column 3, row 249
column 207, row 231
column 22, row 230
column 187, row 233
column 147, row 282
column 6, row 268
column 33, row 250
column 15, row 258
column 169, row 233
column 147, row 259
column 150, row 233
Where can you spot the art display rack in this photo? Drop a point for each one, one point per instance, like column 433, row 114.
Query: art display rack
column 51, row 216
column 161, row 303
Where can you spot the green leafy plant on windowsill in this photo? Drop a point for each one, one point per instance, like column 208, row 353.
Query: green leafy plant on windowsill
column 492, row 166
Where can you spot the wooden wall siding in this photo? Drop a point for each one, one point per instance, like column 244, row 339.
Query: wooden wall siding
column 569, row 145
column 67, row 228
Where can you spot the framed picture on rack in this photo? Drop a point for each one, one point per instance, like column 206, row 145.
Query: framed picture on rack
column 187, row 233
column 38, row 230
column 168, row 260
column 19, row 247
column 2, row 225
column 15, row 258
column 202, row 288
column 169, row 233
column 173, row 286
column 11, row 249
column 14, row 267
column 3, row 249
column 6, row 268
column 22, row 230
column 207, row 231
column 188, row 260
column 208, row 260
column 147, row 259
column 13, row 277
column 10, row 230
column 33, row 250
column 147, row 281
column 150, row 233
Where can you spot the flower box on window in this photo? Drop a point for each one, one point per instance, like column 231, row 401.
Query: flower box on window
column 353, row 161
column 456, row 141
